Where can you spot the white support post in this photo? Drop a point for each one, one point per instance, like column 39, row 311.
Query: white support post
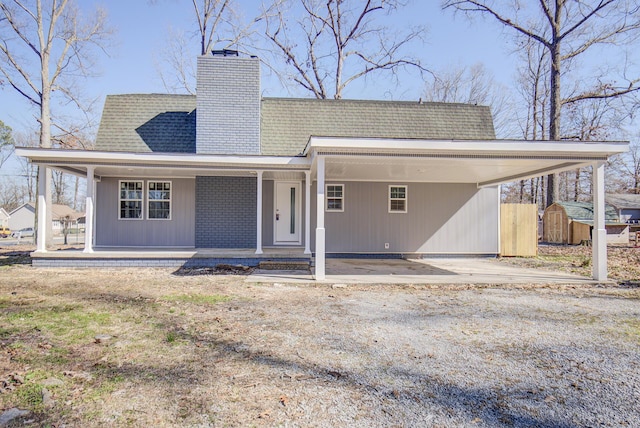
column 42, row 210
column 259, row 214
column 599, row 234
column 320, row 232
column 95, row 189
column 89, row 211
column 307, row 212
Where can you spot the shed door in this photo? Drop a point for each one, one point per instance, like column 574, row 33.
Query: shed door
column 555, row 231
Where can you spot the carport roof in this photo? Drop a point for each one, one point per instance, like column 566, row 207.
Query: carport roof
column 485, row 163
column 481, row 162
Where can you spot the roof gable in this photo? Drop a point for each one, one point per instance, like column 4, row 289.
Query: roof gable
column 167, row 123
column 148, row 123
column 58, row 211
column 287, row 124
column 29, row 206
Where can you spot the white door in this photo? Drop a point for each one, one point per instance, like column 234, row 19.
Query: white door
column 287, row 212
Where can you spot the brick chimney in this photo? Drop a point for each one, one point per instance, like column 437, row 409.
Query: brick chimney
column 228, row 104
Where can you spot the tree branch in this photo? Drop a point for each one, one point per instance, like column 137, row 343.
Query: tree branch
column 479, row 7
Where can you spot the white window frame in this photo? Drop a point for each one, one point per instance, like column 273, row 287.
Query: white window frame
column 405, row 199
column 120, row 200
column 149, row 200
column 327, row 197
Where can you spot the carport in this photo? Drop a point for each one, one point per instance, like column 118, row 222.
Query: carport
column 482, row 163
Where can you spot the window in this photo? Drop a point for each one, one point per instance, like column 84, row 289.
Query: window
column 335, row 197
column 159, row 198
column 131, row 200
column 397, row 199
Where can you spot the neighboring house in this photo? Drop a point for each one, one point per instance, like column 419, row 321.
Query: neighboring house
column 627, row 206
column 22, row 217
column 572, row 223
column 318, row 178
column 25, row 216
column 4, row 218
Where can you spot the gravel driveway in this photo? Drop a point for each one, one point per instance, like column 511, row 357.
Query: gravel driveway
column 479, row 357
column 257, row 354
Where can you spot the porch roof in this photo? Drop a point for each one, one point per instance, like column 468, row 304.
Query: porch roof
column 482, row 162
column 127, row 164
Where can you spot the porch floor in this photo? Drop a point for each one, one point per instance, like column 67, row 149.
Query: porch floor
column 178, row 253
column 165, row 257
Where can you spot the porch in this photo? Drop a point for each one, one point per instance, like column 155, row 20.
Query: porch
column 113, row 257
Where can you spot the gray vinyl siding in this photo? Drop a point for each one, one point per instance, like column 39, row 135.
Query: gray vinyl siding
column 177, row 232
column 441, row 219
column 226, row 212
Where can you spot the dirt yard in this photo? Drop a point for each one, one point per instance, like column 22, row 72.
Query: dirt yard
column 148, row 347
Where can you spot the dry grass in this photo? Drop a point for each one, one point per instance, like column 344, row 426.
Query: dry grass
column 623, row 261
column 146, row 347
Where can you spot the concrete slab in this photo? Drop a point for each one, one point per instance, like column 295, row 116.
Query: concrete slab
column 423, row 271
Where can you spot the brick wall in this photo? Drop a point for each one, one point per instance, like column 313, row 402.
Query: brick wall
column 228, row 105
column 226, row 212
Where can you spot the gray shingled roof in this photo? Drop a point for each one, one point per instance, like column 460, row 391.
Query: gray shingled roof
column 166, row 123
column 622, row 200
column 583, row 211
column 148, row 123
column 288, row 123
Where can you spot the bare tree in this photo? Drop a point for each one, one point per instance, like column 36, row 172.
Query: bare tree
column 11, row 194
column 6, row 143
column 27, row 172
column 45, row 46
column 474, row 85
column 628, row 169
column 336, row 42
column 567, row 29
column 217, row 23
column 533, row 91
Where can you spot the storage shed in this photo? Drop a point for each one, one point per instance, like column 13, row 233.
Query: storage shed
column 572, row 222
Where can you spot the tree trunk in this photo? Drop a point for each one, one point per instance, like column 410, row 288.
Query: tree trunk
column 45, row 138
column 553, row 189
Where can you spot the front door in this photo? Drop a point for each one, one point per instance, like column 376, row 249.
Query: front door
column 287, row 212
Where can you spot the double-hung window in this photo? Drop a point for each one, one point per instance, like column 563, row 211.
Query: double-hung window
column 130, row 200
column 159, row 200
column 335, row 197
column 397, row 199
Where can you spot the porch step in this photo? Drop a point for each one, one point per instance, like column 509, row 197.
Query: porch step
column 283, row 265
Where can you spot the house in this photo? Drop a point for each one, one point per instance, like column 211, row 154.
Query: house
column 572, row 223
column 627, row 206
column 4, row 218
column 228, row 174
column 25, row 216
